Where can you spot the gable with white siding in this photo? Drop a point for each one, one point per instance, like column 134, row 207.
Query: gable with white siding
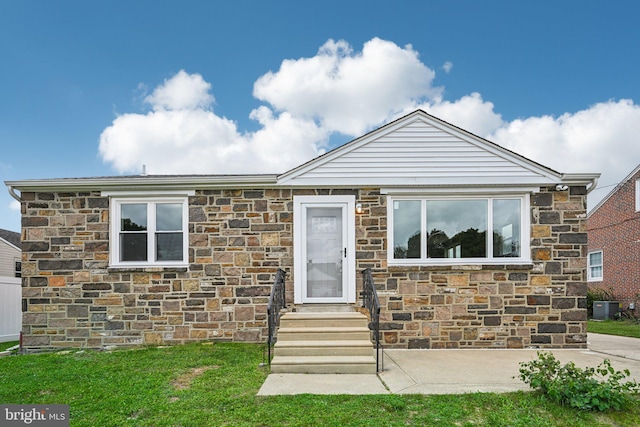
column 420, row 150
column 9, row 254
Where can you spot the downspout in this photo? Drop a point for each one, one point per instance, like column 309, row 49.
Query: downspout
column 593, row 185
column 12, row 191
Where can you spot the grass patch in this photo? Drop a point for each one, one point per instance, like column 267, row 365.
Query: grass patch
column 204, row 385
column 9, row 344
column 626, row 328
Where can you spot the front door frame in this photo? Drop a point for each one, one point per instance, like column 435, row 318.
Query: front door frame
column 299, row 243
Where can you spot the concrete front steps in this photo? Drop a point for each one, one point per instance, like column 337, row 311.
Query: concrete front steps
column 323, row 342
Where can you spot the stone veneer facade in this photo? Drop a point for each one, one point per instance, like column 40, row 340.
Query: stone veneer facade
column 239, row 238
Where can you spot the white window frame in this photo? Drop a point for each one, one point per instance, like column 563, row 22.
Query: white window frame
column 638, row 195
column 17, row 266
column 117, row 199
column 525, row 232
column 590, row 277
column 300, row 203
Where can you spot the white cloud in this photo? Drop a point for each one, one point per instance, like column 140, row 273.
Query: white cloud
column 601, row 138
column 183, row 135
column 181, row 92
column 285, row 140
column 180, row 141
column 447, row 66
column 335, row 91
column 14, row 205
column 340, row 90
column 346, row 92
column 470, row 113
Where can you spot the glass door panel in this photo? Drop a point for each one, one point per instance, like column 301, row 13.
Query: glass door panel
column 325, row 252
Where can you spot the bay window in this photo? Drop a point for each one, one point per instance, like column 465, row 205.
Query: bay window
column 458, row 230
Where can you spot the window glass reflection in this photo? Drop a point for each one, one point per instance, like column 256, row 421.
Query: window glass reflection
column 133, row 217
column 169, row 217
column 406, row 228
column 457, row 228
column 506, row 228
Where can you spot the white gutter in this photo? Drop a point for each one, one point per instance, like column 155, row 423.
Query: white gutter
column 593, row 186
column 181, row 182
column 13, row 194
column 588, row 179
column 165, row 182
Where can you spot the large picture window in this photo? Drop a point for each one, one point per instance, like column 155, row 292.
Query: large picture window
column 447, row 230
column 149, row 232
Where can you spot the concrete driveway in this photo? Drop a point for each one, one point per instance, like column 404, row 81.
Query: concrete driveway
column 455, row 371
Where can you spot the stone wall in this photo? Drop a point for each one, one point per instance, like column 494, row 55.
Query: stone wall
column 238, row 239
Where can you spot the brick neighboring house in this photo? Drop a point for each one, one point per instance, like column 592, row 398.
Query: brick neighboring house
column 614, row 241
column 470, row 244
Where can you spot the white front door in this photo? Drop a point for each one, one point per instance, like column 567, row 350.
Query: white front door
column 324, row 249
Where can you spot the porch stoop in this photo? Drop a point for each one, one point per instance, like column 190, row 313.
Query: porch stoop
column 324, row 342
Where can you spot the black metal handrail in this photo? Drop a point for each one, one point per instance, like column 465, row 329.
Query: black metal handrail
column 277, row 302
column 370, row 302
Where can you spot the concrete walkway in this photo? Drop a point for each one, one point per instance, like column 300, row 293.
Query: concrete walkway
column 455, row 371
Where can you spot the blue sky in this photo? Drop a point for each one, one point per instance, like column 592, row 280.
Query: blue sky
column 100, row 88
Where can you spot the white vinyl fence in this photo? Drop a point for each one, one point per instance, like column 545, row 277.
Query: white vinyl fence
column 10, row 308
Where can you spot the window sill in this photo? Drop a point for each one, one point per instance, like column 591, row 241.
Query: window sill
column 459, row 267
column 147, row 268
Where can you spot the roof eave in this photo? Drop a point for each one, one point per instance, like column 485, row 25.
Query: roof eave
column 614, row 190
column 142, row 183
column 9, row 243
column 590, row 180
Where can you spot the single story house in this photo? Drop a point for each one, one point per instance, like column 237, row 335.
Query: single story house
column 471, row 246
column 614, row 242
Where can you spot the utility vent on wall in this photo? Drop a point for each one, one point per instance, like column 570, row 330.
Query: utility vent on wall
column 603, row 310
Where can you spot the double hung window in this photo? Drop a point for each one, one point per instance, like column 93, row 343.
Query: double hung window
column 149, row 232
column 594, row 270
column 458, row 230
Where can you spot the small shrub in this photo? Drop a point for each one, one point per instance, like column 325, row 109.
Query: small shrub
column 601, row 389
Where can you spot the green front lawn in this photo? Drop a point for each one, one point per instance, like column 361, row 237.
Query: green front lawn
column 6, row 345
column 627, row 328
column 216, row 385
